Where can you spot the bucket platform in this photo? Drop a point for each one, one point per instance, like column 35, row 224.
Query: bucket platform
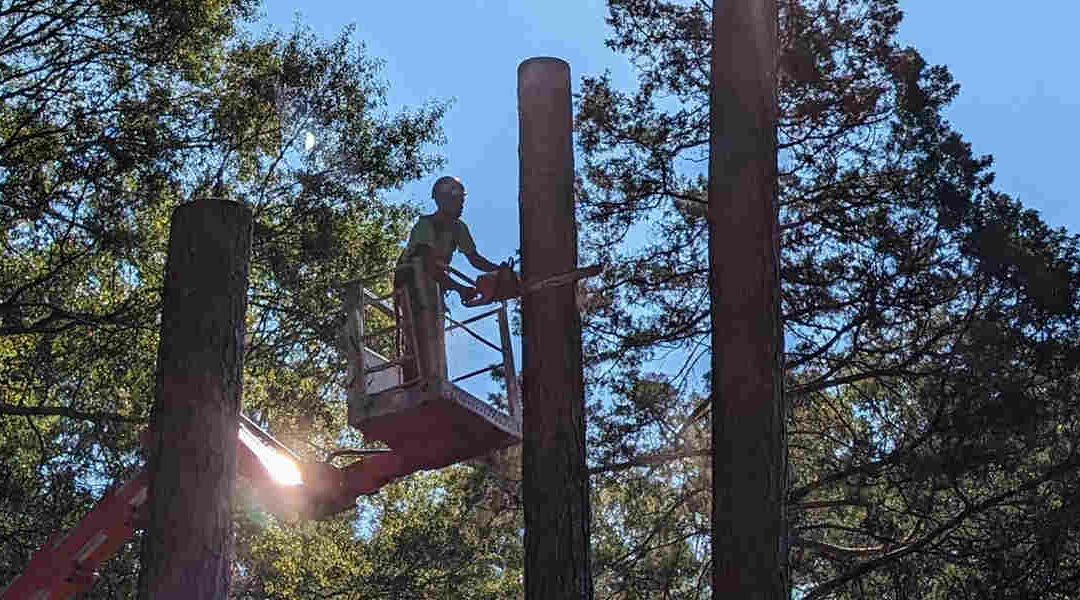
column 429, row 422
column 433, row 423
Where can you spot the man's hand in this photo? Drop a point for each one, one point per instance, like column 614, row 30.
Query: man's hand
column 466, row 293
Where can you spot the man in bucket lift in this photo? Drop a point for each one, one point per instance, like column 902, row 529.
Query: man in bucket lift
column 421, row 270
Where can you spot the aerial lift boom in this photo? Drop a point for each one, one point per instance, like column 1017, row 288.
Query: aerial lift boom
column 427, row 424
column 66, row 564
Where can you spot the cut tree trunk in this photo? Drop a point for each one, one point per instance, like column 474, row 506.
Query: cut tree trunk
column 748, row 440
column 556, row 480
column 188, row 544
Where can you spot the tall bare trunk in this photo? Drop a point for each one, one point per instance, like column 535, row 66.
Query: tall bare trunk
column 188, row 543
column 749, row 451
column 556, row 480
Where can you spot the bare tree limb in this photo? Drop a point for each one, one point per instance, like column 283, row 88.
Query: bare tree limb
column 648, row 460
column 827, row 504
column 63, row 411
column 834, row 549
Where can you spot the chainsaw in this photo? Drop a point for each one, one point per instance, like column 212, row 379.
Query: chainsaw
column 504, row 283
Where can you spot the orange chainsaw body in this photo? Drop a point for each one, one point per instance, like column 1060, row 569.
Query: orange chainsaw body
column 496, row 286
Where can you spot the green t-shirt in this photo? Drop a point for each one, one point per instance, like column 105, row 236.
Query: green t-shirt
column 443, row 239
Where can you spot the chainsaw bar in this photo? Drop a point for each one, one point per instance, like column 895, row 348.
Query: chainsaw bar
column 560, row 279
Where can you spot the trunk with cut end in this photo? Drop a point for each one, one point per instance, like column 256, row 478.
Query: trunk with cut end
column 556, row 480
column 749, row 452
column 188, row 544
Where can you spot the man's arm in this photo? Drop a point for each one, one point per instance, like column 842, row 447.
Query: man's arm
column 438, row 273
column 481, row 263
column 467, row 246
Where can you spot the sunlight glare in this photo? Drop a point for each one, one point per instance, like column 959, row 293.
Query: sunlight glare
column 282, row 469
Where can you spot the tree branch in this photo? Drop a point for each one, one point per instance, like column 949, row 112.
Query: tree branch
column 834, row 549
column 63, row 411
column 648, row 460
column 828, row 587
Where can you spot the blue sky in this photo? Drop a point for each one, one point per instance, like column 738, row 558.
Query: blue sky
column 1019, row 100
column 468, row 51
column 1019, row 94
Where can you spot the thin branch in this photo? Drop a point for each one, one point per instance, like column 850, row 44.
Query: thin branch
column 834, row 549
column 648, row 460
column 827, row 504
column 63, row 411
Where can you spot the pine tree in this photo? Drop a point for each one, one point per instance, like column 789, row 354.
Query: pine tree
column 930, row 321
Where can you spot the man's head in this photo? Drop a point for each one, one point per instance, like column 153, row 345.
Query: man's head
column 449, row 195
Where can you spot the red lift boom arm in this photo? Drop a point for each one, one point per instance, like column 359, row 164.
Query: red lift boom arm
column 66, row 564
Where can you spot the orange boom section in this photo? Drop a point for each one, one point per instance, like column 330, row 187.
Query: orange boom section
column 65, row 566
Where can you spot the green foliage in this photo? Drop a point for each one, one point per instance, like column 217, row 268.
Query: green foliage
column 114, row 113
column 429, row 536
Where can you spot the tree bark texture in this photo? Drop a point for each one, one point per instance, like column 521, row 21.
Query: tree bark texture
column 556, row 479
column 188, row 544
column 748, row 438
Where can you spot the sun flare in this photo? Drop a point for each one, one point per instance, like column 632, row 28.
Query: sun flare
column 282, row 469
